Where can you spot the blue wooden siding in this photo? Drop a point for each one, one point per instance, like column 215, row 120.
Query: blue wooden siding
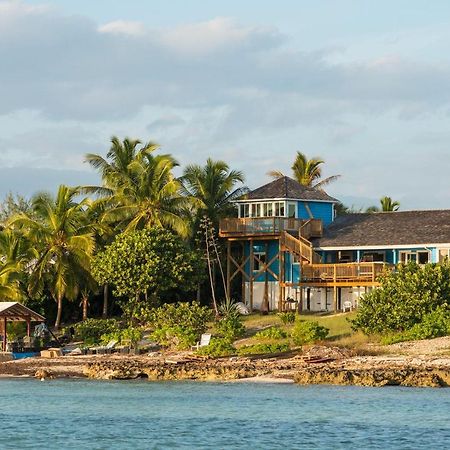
column 319, row 210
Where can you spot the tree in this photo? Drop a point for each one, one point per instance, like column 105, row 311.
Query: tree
column 13, row 205
column 140, row 187
column 387, row 205
column 214, row 186
column 307, row 172
column 147, row 262
column 404, row 298
column 64, row 241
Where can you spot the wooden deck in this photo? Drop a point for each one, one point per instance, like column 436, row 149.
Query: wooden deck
column 343, row 274
column 269, row 226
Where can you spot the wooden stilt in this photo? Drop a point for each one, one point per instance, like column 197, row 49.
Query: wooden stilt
column 243, row 277
column 4, row 334
column 281, row 279
column 28, row 327
column 335, row 298
column 229, row 269
column 251, row 274
column 265, row 306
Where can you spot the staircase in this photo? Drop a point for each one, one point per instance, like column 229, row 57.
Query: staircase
column 300, row 247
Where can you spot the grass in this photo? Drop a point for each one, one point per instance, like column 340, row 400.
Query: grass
column 338, row 324
column 340, row 335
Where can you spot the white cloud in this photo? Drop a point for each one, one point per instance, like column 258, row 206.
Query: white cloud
column 123, row 27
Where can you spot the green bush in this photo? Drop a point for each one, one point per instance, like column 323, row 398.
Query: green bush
column 217, row 347
column 230, row 327
column 263, row 348
column 434, row 324
column 90, row 331
column 272, row 333
column 287, row 317
column 181, row 338
column 189, row 316
column 404, row 298
column 305, row 332
column 130, row 334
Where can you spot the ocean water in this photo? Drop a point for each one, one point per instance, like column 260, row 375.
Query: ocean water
column 80, row 414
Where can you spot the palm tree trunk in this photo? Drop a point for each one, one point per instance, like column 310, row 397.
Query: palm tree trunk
column 85, row 306
column 105, row 301
column 59, row 313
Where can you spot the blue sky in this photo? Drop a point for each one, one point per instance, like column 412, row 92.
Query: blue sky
column 363, row 84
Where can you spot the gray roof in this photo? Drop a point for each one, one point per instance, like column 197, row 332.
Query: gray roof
column 288, row 188
column 387, row 228
column 17, row 311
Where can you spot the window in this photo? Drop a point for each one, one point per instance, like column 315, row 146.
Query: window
column 279, row 209
column 374, row 257
column 291, row 210
column 268, row 209
column 257, row 266
column 256, row 210
column 244, row 210
column 419, row 257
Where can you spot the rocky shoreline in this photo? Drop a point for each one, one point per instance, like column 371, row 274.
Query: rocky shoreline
column 387, row 370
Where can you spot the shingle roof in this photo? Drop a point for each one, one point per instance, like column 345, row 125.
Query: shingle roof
column 288, row 188
column 17, row 311
column 388, row 228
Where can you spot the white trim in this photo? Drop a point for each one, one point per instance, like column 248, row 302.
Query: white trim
column 262, row 200
column 382, row 247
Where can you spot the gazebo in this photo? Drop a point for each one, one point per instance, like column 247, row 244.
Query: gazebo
column 16, row 312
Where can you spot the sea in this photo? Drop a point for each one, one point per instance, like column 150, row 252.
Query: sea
column 82, row 414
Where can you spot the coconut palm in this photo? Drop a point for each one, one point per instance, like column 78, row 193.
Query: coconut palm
column 387, row 204
column 307, row 172
column 114, row 169
column 150, row 196
column 64, row 241
column 214, row 186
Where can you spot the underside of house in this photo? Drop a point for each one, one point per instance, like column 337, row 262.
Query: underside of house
column 287, row 251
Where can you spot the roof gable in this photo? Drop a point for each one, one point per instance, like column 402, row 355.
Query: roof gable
column 287, row 188
column 387, row 229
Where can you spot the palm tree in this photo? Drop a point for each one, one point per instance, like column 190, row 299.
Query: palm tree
column 307, row 172
column 151, row 196
column 16, row 256
column 214, row 186
column 115, row 169
column 64, row 241
column 387, row 204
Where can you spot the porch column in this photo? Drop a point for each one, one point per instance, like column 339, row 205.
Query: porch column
column 4, row 334
column 252, row 273
column 358, row 255
column 28, row 327
column 394, row 256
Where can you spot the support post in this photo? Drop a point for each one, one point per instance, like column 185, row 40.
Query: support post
column 4, row 334
column 243, row 277
column 265, row 306
column 28, row 327
column 335, row 298
column 229, row 269
column 281, row 279
column 251, row 274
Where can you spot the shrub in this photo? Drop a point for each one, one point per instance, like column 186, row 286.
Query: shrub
column 404, row 298
column 230, row 327
column 272, row 333
column 434, row 324
column 181, row 338
column 183, row 315
column 305, row 332
column 287, row 317
column 90, row 331
column 263, row 348
column 130, row 334
column 218, row 347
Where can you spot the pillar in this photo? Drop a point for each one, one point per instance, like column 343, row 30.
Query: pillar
column 4, row 334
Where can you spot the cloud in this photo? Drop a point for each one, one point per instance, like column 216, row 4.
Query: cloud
column 125, row 27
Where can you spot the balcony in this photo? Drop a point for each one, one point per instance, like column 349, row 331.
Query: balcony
column 365, row 273
column 269, row 226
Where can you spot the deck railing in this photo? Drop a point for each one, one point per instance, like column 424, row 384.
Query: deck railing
column 270, row 225
column 343, row 272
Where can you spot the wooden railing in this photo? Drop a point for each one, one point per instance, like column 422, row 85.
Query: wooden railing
column 251, row 226
column 300, row 247
column 312, row 228
column 343, row 272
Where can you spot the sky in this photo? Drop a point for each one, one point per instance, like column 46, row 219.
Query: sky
column 364, row 85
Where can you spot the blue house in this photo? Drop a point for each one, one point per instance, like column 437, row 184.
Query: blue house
column 290, row 251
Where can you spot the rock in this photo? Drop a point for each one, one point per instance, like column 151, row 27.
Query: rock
column 43, row 374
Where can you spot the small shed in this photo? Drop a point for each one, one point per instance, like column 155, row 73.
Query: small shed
column 16, row 312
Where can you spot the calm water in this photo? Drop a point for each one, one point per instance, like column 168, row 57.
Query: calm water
column 143, row 415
